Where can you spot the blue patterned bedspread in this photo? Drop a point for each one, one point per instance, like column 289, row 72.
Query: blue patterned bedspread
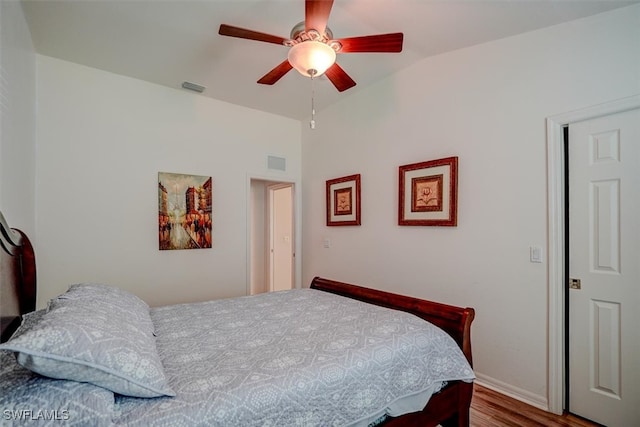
column 292, row 358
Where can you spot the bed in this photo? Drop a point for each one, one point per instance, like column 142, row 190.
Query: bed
column 334, row 354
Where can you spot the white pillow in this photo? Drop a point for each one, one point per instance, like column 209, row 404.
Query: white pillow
column 97, row 334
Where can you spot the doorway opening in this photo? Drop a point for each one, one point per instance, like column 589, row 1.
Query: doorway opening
column 272, row 237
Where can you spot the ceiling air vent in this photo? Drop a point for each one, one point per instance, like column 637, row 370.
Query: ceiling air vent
column 192, row 86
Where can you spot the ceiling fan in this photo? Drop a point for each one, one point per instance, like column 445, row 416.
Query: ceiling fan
column 312, row 48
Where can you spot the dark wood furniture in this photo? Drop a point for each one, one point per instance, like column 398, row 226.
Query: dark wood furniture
column 17, row 278
column 449, row 407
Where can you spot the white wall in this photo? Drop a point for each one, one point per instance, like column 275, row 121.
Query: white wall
column 487, row 105
column 17, row 119
column 102, row 139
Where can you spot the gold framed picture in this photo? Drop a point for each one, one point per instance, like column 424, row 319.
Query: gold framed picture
column 343, row 200
column 428, row 193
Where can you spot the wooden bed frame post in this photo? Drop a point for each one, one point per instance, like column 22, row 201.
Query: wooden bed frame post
column 462, row 416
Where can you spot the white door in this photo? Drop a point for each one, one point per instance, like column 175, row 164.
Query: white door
column 604, row 254
column 281, row 237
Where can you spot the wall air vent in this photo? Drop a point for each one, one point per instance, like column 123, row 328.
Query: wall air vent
column 277, row 163
column 192, row 86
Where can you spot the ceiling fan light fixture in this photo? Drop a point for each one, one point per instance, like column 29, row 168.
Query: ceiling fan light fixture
column 311, row 58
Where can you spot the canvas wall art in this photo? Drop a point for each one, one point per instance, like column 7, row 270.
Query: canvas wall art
column 185, row 204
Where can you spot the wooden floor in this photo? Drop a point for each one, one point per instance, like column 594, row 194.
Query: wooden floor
column 492, row 409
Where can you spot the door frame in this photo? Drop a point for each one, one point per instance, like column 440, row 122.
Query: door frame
column 297, row 219
column 556, row 237
column 271, row 188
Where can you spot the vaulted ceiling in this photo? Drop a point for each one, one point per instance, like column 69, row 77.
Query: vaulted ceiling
column 171, row 41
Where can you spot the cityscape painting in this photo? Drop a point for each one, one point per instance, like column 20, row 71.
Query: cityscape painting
column 184, row 211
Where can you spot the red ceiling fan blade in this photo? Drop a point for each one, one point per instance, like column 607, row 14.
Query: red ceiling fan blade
column 274, row 75
column 316, row 14
column 242, row 33
column 378, row 43
column 339, row 78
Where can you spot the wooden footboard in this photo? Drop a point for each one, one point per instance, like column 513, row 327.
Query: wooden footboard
column 449, row 407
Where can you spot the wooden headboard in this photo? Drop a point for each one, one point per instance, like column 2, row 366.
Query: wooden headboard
column 17, row 278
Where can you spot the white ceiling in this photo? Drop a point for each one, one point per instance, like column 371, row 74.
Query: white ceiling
column 168, row 42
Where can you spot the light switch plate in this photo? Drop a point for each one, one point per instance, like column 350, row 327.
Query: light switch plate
column 535, row 254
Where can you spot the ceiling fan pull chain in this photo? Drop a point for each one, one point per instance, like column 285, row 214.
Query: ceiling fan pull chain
column 312, row 123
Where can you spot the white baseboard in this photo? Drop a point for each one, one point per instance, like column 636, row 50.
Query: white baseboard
column 525, row 396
